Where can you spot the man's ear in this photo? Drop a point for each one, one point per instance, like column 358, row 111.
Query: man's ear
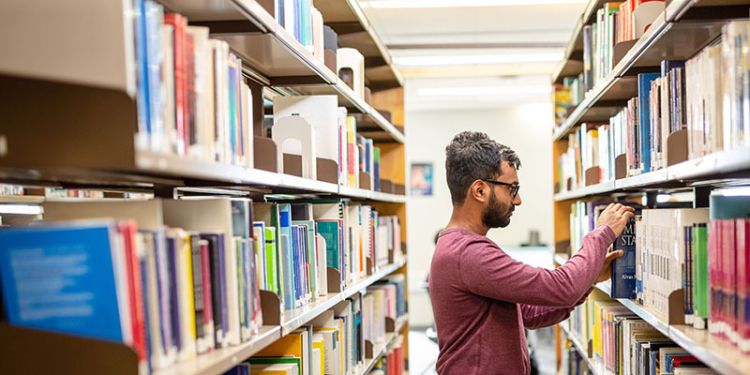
column 477, row 190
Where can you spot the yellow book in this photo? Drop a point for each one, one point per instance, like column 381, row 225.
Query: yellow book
column 319, row 344
column 289, row 345
column 352, row 151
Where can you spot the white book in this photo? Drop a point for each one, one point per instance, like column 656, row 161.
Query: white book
column 220, row 50
column 204, row 92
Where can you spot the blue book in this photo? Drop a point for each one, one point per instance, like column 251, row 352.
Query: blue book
column 216, row 265
column 623, row 269
column 154, row 20
column 142, row 97
column 296, row 265
column 283, row 222
column 644, row 97
column 163, row 288
column 147, row 321
column 62, row 279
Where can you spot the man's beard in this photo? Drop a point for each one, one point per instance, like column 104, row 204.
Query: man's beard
column 496, row 215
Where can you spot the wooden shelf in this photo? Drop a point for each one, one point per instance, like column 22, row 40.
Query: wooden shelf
column 716, row 165
column 713, row 352
column 601, row 188
column 21, row 199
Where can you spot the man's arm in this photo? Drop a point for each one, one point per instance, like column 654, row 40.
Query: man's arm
column 544, row 316
column 488, row 271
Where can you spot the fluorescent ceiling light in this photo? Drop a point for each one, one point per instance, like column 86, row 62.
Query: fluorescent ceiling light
column 485, row 91
column 443, row 60
column 418, row 4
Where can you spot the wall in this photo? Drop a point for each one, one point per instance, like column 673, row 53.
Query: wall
column 526, row 128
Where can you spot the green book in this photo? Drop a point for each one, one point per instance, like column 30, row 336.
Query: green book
column 273, row 278
column 700, row 275
column 274, row 360
column 331, row 232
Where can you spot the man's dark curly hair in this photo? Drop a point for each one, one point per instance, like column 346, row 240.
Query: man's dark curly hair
column 471, row 156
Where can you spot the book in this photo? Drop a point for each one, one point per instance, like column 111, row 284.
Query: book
column 623, row 269
column 81, row 257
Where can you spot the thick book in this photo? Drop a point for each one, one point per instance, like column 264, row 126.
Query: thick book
column 64, row 279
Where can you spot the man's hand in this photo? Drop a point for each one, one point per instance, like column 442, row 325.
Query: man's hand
column 616, row 217
column 606, row 272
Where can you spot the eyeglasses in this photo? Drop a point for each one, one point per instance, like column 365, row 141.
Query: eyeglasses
column 513, row 187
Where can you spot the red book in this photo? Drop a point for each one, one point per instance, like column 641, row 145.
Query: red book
column 180, row 83
column 743, row 283
column 730, row 280
column 682, row 360
column 127, row 230
column 207, row 293
column 713, row 276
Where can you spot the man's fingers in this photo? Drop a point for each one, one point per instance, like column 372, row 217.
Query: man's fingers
column 614, row 255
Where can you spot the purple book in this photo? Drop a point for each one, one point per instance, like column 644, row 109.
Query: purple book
column 174, row 301
column 217, row 277
column 162, row 280
column 223, row 284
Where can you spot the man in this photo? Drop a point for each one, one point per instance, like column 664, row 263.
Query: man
column 483, row 299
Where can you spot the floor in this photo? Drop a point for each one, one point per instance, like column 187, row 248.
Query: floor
column 423, row 352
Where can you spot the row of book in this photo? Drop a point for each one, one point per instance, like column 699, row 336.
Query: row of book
column 622, row 343
column 11, row 190
column 180, row 277
column 193, row 101
column 615, row 22
column 700, row 254
column 702, row 97
column 336, row 341
column 568, row 95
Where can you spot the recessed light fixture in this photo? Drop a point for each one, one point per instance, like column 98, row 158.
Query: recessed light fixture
column 509, row 90
column 418, row 4
column 444, row 60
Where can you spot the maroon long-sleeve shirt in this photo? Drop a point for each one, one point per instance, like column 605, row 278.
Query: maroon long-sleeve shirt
column 482, row 299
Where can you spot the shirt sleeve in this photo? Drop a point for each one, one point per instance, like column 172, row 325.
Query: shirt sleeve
column 488, row 271
column 535, row 316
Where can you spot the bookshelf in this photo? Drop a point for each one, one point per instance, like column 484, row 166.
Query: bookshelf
column 681, row 31
column 102, row 152
column 720, row 355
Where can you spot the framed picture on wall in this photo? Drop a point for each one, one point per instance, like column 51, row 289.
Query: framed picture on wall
column 421, row 179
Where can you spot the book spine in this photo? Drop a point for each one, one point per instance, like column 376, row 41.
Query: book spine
column 180, row 81
column 208, row 297
column 135, row 288
column 743, row 284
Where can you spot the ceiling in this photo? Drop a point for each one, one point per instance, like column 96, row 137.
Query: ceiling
column 463, row 43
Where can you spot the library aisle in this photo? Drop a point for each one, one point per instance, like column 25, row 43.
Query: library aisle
column 385, row 187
